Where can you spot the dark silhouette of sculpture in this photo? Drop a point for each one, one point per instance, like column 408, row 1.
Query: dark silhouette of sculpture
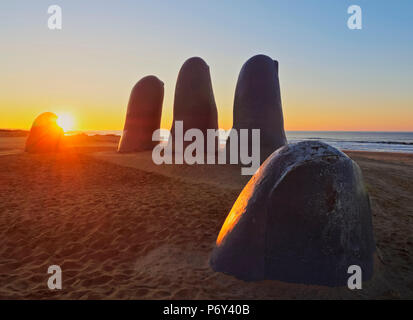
column 143, row 116
column 45, row 134
column 194, row 102
column 257, row 104
column 304, row 217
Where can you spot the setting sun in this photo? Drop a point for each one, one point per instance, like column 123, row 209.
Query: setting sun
column 65, row 121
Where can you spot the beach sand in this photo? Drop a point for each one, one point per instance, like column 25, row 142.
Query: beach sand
column 121, row 227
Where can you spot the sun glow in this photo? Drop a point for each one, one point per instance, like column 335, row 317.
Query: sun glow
column 65, row 121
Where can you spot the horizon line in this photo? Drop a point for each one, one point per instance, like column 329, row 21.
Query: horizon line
column 313, row 130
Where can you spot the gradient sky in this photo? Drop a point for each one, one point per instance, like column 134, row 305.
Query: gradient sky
column 332, row 78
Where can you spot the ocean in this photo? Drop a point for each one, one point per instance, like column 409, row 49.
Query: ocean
column 364, row 141
column 343, row 140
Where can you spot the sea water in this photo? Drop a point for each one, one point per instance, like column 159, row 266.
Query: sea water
column 343, row 140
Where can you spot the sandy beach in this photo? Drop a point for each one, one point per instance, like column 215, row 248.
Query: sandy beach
column 121, row 227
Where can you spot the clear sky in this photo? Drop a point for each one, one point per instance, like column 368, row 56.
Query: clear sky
column 332, row 78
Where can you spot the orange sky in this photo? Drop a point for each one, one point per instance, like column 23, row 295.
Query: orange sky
column 300, row 112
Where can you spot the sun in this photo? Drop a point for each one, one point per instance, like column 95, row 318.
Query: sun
column 65, row 121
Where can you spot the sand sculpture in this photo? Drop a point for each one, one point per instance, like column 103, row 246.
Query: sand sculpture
column 143, row 116
column 194, row 102
column 257, row 104
column 45, row 134
column 304, row 217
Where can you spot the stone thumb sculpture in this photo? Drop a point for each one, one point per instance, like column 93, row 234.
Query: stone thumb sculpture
column 304, row 217
column 45, row 134
column 143, row 116
column 257, row 104
column 194, row 102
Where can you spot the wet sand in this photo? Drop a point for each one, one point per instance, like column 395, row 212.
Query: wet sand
column 121, row 227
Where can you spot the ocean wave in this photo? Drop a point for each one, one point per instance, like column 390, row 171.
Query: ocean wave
column 371, row 142
column 386, row 142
